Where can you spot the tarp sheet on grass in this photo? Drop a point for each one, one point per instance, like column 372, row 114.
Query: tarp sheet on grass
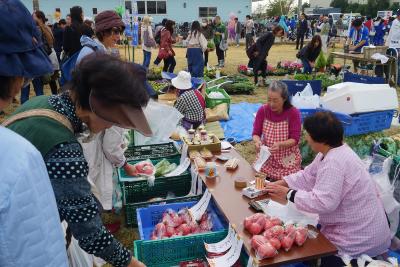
column 240, row 125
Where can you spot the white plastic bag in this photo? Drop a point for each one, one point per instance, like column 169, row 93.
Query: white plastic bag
column 386, row 189
column 163, row 121
column 305, row 99
column 289, row 213
column 262, row 158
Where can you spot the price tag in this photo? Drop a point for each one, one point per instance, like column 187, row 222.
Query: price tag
column 195, row 177
column 180, row 169
column 198, row 210
column 199, row 185
column 223, row 245
column 230, row 258
column 184, row 153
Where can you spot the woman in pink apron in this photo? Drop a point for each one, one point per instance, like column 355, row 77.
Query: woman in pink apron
column 278, row 126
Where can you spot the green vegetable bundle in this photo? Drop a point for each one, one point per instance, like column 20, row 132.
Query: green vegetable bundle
column 164, row 167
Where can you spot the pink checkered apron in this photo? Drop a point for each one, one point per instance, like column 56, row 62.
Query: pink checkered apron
column 287, row 160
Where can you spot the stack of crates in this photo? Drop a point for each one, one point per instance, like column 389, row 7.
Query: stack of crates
column 137, row 193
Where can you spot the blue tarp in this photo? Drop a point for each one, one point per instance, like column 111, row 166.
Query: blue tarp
column 240, row 125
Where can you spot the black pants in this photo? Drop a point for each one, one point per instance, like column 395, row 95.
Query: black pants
column 220, row 53
column 169, row 64
column 263, row 68
column 299, row 39
column 249, row 40
column 157, row 61
column 205, row 58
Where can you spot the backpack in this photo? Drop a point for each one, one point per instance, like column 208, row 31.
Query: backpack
column 68, row 66
column 157, row 38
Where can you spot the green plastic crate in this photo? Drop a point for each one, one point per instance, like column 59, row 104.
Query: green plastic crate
column 130, row 209
column 171, row 251
column 131, row 138
column 156, row 151
column 211, row 103
column 139, row 190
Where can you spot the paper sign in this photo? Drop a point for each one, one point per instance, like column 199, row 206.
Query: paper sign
column 180, row 169
column 198, row 210
column 223, row 245
column 195, row 177
column 184, row 153
column 262, row 158
column 199, row 185
column 230, row 258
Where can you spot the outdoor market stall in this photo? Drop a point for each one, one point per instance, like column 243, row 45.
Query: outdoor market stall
column 235, row 207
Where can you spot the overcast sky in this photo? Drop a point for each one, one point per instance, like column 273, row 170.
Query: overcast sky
column 264, row 2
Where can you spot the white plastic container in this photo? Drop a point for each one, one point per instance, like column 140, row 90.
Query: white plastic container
column 351, row 98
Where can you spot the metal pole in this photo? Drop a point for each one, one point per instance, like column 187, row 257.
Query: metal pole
column 299, row 6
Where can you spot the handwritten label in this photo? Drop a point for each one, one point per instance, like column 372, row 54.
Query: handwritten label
column 223, row 245
column 198, row 210
column 184, row 153
column 230, row 258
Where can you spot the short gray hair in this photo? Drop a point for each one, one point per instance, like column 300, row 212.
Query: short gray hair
column 281, row 88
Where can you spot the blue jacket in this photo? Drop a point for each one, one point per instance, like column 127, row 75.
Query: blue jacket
column 89, row 46
column 30, row 229
column 282, row 23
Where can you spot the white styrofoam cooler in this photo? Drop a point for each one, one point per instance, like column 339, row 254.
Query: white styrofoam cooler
column 351, row 98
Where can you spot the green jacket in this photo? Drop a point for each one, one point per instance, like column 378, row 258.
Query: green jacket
column 222, row 29
column 44, row 133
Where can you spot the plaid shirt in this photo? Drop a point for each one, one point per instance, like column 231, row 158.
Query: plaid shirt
column 339, row 189
column 189, row 105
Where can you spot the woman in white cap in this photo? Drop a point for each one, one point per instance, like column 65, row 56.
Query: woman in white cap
column 190, row 101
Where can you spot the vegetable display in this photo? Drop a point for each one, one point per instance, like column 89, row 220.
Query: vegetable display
column 361, row 144
column 154, row 74
column 180, row 224
column 270, row 235
column 327, row 80
column 158, row 85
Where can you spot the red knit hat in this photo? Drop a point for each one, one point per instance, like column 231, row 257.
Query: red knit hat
column 107, row 20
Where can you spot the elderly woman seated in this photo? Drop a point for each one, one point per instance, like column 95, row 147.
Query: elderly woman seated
column 337, row 187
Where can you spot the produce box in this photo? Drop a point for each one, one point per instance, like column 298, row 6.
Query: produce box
column 214, row 147
column 211, row 102
column 172, row 251
column 298, row 86
column 152, row 152
column 369, row 51
column 139, row 190
column 152, row 215
column 367, row 122
column 131, row 209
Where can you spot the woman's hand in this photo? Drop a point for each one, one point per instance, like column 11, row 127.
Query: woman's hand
column 312, row 64
column 130, row 170
column 136, row 263
column 257, row 143
column 275, row 190
column 275, row 147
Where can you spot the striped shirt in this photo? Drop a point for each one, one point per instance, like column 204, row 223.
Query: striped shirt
column 339, row 189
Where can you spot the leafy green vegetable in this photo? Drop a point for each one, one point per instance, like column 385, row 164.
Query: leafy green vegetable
column 161, row 167
column 321, row 61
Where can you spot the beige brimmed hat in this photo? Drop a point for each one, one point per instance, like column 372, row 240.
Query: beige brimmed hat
column 183, row 81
